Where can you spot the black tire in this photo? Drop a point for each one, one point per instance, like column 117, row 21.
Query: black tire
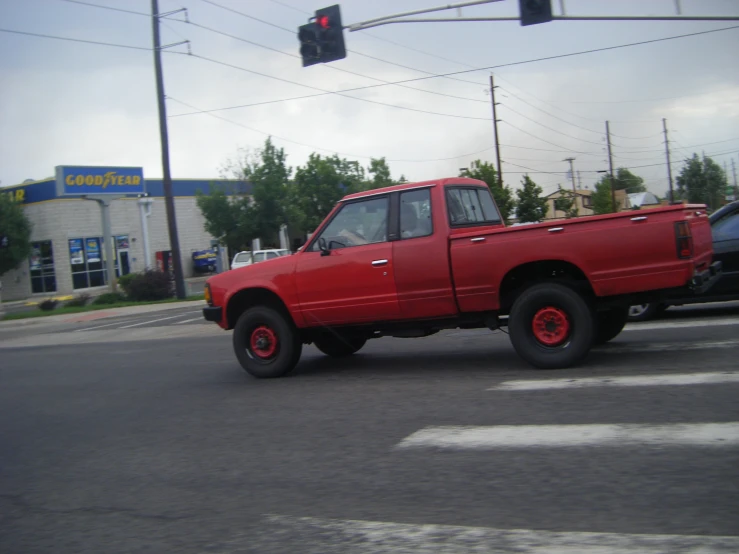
column 262, row 323
column 337, row 346
column 610, row 324
column 645, row 312
column 537, row 301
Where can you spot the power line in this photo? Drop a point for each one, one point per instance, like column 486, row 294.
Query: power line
column 550, row 128
column 332, row 67
column 564, row 149
column 337, row 93
column 522, row 62
column 355, row 52
column 106, row 7
column 206, row 112
column 96, row 42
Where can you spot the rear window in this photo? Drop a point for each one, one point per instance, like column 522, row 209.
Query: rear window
column 242, row 257
column 469, row 206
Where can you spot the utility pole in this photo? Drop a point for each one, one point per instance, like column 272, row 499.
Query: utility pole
column 669, row 164
column 579, row 179
column 736, row 189
column 610, row 165
column 174, row 241
column 572, row 173
column 495, row 130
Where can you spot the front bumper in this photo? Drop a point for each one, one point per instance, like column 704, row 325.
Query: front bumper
column 213, row 313
column 704, row 280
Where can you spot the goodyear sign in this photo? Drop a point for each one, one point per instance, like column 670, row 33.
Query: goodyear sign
column 86, row 180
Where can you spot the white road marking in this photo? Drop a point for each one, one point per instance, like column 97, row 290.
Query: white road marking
column 619, row 348
column 96, row 327
column 673, row 324
column 533, row 436
column 189, row 320
column 331, row 536
column 149, row 321
column 620, row 381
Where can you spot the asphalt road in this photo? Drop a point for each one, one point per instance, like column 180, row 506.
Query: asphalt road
column 149, row 443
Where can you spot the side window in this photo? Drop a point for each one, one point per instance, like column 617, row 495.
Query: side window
column 272, row 255
column 415, row 214
column 356, row 223
column 471, row 206
column 259, row 257
column 727, row 228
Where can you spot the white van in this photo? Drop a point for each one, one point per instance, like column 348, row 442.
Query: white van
column 247, row 257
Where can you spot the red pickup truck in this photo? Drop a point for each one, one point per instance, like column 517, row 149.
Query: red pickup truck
column 414, row 259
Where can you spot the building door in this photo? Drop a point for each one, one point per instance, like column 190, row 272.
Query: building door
column 123, row 263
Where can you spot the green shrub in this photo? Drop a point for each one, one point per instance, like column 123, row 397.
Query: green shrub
column 47, row 305
column 109, row 298
column 149, row 286
column 125, row 280
column 80, row 300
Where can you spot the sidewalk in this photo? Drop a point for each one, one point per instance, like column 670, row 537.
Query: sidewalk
column 95, row 315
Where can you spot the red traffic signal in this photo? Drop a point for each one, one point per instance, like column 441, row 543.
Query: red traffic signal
column 323, row 40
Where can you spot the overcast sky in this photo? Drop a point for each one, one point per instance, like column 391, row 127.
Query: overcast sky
column 67, row 103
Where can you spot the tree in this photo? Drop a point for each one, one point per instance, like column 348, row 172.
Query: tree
column 380, row 173
column 702, row 181
column 602, row 198
column 531, row 206
column 320, row 184
column 626, row 180
column 486, row 172
column 566, row 202
column 15, row 234
column 228, row 217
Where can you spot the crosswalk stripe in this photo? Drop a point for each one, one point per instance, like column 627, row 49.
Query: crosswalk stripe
column 620, row 381
column 331, row 536
column 149, row 321
column 549, row 436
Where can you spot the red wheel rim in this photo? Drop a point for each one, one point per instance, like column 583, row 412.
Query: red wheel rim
column 551, row 326
column 263, row 342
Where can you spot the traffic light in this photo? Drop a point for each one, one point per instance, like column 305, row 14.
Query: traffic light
column 322, row 40
column 309, row 51
column 535, row 11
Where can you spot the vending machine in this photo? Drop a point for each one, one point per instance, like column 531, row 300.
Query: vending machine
column 164, row 262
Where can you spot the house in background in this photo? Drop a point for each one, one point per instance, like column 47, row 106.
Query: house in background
column 584, row 202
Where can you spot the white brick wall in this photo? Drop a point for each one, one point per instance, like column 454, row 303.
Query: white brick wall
column 63, row 219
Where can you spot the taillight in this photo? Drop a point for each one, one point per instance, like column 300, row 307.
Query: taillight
column 684, row 240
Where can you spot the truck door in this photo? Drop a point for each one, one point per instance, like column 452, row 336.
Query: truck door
column 347, row 273
column 421, row 257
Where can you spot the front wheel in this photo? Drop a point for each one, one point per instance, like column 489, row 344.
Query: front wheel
column 338, row 346
column 551, row 326
column 266, row 344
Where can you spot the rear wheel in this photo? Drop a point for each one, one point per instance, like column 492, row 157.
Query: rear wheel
column 337, row 346
column 266, row 344
column 610, row 324
column 551, row 326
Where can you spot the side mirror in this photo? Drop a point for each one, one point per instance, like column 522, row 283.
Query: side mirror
column 322, row 245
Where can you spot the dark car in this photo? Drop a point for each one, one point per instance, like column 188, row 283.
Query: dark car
column 725, row 231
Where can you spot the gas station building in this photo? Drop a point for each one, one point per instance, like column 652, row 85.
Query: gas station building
column 69, row 254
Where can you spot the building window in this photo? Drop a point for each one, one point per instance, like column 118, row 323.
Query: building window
column 587, row 201
column 86, row 261
column 43, row 278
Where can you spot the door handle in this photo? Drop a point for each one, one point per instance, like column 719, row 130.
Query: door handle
column 555, row 229
column 640, row 218
column 379, row 262
column 477, row 239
